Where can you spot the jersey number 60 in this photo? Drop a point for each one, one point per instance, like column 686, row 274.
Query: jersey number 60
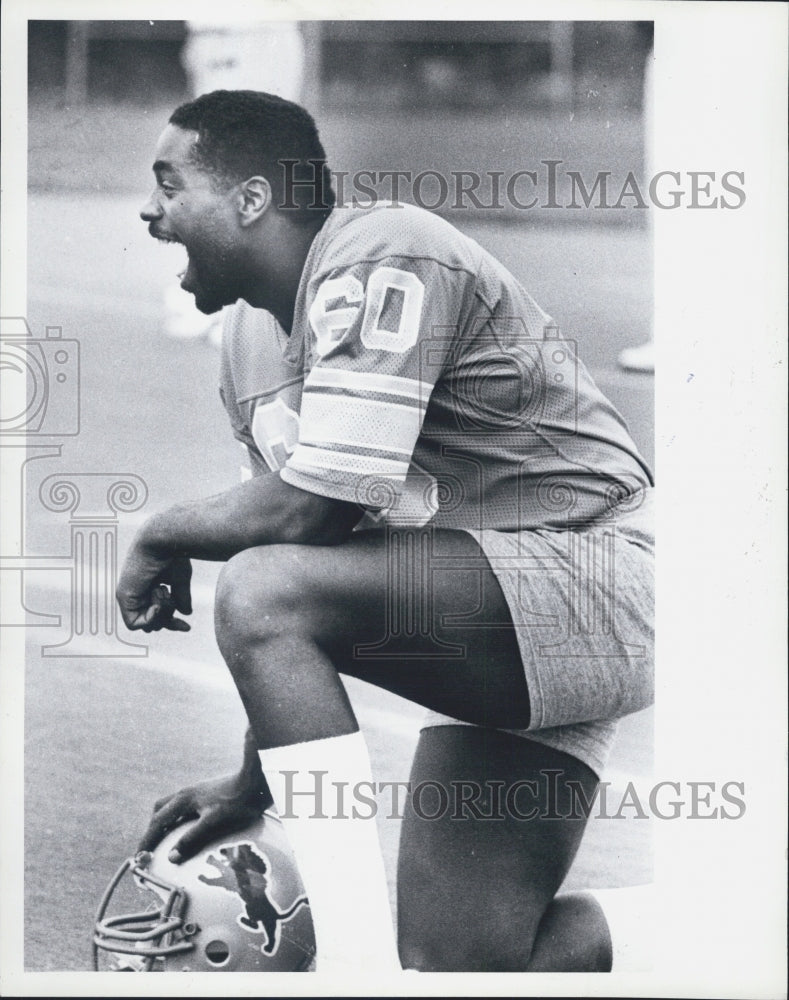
column 392, row 310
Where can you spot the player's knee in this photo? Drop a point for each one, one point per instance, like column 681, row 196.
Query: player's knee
column 259, row 595
column 501, row 945
column 462, row 956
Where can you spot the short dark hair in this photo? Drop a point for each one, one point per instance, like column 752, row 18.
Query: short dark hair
column 246, row 133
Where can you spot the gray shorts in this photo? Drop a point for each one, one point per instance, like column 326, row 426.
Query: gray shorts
column 582, row 602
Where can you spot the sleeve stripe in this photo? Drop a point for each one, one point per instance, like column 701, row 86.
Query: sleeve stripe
column 323, row 440
column 366, row 423
column 392, row 385
column 305, row 458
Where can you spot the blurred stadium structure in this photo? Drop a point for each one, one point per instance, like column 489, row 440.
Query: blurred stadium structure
column 583, row 66
column 435, row 96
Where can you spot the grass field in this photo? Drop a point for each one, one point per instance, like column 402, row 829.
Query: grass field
column 105, row 737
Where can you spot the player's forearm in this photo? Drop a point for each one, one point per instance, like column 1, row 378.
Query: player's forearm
column 261, row 511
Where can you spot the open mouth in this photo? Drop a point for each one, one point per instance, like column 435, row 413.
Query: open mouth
column 170, row 238
column 183, row 273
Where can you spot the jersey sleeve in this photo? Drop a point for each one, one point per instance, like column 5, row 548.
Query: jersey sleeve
column 380, row 333
column 245, row 336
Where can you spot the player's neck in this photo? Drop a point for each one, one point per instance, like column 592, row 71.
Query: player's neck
column 275, row 282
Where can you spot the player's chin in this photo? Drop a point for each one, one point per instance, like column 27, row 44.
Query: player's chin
column 208, row 306
column 207, row 301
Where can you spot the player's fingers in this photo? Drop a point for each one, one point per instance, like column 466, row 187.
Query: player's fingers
column 162, row 802
column 176, row 810
column 159, row 614
column 136, row 616
column 154, row 625
column 177, row 625
column 203, row 831
column 214, row 822
column 148, row 619
column 162, row 600
column 180, row 578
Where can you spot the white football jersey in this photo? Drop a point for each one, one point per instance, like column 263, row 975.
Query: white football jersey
column 422, row 381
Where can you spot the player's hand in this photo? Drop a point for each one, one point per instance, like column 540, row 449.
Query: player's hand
column 221, row 806
column 151, row 588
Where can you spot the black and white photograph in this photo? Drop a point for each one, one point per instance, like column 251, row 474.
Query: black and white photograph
column 392, row 499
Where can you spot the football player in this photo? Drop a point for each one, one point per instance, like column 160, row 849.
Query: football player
column 443, row 504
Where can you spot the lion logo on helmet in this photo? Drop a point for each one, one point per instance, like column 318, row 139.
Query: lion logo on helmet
column 244, row 871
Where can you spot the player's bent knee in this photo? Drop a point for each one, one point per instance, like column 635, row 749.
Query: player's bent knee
column 259, row 593
column 504, row 948
column 453, row 939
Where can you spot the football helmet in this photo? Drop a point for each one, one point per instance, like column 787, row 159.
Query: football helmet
column 237, row 906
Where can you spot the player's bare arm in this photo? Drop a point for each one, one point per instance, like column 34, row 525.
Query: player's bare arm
column 154, row 581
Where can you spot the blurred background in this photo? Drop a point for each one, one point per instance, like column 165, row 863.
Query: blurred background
column 387, row 94
column 105, row 736
column 589, row 65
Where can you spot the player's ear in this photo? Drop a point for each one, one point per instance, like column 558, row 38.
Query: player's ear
column 255, row 197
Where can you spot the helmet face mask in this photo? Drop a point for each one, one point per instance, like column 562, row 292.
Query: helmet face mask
column 139, row 939
column 238, row 905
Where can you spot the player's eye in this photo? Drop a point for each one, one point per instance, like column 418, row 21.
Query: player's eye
column 167, row 190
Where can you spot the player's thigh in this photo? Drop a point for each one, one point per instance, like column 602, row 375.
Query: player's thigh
column 434, row 628
column 419, row 613
column 475, row 877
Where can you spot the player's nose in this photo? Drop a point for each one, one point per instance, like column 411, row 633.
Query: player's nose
column 151, row 210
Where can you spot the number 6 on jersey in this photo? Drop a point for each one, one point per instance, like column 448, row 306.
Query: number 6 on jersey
column 392, row 310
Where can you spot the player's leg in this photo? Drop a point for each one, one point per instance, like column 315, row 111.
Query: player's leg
column 573, row 936
column 621, row 920
column 477, row 880
column 288, row 618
